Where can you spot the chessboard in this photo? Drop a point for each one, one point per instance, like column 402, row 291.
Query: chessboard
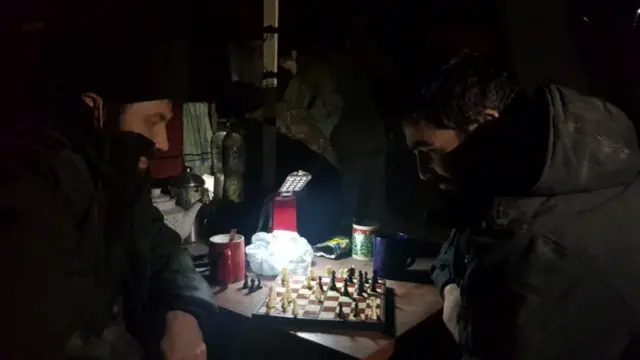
column 324, row 308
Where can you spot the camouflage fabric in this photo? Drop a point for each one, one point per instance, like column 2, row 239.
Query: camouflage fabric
column 310, row 107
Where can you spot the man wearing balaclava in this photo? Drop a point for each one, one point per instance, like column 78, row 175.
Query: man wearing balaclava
column 82, row 246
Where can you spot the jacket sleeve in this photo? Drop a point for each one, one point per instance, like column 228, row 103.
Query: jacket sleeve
column 173, row 272
column 443, row 271
column 45, row 268
column 547, row 306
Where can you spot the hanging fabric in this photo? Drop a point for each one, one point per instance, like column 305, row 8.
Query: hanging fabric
column 197, row 135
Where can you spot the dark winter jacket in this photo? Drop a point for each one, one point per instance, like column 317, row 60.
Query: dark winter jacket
column 552, row 273
column 75, row 236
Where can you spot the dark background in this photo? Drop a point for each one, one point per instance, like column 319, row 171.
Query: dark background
column 413, row 39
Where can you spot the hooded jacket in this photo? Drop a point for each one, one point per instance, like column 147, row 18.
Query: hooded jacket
column 551, row 272
column 79, row 232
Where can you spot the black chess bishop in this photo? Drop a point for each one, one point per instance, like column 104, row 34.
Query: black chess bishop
column 345, row 290
column 332, row 282
column 360, row 289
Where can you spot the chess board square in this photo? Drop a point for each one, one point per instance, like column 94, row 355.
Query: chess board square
column 312, row 308
column 327, row 315
column 304, row 291
column 313, row 301
column 332, row 295
column 302, row 301
column 330, row 303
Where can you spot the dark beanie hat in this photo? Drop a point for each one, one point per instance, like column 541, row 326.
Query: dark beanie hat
column 120, row 61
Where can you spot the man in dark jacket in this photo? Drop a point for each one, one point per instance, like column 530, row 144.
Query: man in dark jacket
column 543, row 261
column 80, row 236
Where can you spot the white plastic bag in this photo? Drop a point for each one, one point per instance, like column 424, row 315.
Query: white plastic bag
column 270, row 252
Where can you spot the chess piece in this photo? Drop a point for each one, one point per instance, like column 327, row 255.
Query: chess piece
column 340, row 311
column 294, row 309
column 284, row 304
column 360, row 275
column 259, row 284
column 352, row 271
column 345, row 290
column 332, row 283
column 271, row 300
column 374, row 311
column 333, row 274
column 360, row 291
column 356, row 310
column 287, row 294
column 366, row 277
column 308, row 285
column 374, row 277
column 252, row 287
column 310, row 274
column 372, row 287
column 318, row 294
column 284, row 276
column 329, row 270
column 374, row 282
column 245, row 285
column 320, row 284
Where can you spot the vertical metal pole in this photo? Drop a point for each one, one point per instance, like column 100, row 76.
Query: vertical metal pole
column 269, row 83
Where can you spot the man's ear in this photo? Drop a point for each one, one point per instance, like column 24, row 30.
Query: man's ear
column 485, row 116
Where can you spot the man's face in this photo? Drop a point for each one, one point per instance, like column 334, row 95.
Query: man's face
column 429, row 145
column 148, row 118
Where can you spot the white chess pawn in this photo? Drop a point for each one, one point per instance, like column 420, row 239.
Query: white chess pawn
column 308, row 285
column 294, row 309
column 311, row 274
column 271, row 302
column 318, row 294
column 284, row 276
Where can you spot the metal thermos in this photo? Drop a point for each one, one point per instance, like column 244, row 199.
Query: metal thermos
column 188, row 188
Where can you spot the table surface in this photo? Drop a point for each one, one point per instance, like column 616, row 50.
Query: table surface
column 414, row 303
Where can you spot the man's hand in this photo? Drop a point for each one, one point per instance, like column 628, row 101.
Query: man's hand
column 182, row 338
column 451, row 309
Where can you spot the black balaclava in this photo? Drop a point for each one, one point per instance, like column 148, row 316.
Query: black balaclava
column 123, row 62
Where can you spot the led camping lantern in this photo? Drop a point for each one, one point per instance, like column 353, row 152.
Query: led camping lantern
column 284, row 204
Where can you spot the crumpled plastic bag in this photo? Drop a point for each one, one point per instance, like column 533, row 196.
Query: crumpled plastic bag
column 270, row 252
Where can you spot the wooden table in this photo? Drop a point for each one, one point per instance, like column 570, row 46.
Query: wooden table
column 414, row 303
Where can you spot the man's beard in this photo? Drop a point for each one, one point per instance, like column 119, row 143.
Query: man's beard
column 125, row 149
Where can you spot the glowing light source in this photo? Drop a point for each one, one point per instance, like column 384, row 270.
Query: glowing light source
column 294, row 182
